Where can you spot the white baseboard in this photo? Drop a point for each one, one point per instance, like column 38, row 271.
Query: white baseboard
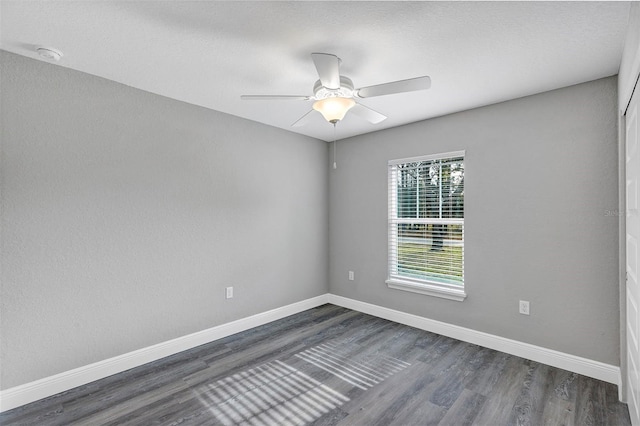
column 48, row 386
column 586, row 367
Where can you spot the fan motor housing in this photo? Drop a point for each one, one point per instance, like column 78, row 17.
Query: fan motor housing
column 345, row 91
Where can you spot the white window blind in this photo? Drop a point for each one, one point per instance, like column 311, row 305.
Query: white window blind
column 426, row 223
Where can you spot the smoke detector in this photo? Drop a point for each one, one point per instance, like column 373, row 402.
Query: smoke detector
column 49, row 53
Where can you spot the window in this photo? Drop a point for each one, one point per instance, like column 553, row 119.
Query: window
column 426, row 225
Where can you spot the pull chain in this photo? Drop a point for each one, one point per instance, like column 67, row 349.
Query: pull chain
column 335, row 165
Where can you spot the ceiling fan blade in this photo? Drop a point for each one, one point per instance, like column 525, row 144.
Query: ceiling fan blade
column 401, row 86
column 274, row 98
column 303, row 120
column 328, row 67
column 367, row 113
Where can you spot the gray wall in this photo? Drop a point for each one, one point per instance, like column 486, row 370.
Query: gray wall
column 125, row 214
column 541, row 174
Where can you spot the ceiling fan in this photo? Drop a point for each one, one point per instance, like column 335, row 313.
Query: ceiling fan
column 334, row 94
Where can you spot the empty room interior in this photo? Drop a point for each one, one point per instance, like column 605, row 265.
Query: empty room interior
column 331, row 213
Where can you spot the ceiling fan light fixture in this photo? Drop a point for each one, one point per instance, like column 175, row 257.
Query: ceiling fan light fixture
column 334, row 109
column 334, row 93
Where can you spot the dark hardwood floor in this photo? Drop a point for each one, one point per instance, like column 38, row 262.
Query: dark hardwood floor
column 334, row 366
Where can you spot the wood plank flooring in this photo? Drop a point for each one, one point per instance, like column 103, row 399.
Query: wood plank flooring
column 334, row 366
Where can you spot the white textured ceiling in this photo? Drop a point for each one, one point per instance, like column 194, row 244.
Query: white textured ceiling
column 209, row 53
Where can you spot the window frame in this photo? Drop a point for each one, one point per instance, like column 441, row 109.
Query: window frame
column 418, row 285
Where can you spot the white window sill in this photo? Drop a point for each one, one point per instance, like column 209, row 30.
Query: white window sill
column 427, row 289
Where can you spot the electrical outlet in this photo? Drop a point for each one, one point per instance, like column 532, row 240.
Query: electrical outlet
column 524, row 307
column 229, row 292
column 352, row 276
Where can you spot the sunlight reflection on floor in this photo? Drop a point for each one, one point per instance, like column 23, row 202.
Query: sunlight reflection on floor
column 360, row 371
column 271, row 394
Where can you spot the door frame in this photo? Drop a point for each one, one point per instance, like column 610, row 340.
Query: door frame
column 622, row 230
column 622, row 251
